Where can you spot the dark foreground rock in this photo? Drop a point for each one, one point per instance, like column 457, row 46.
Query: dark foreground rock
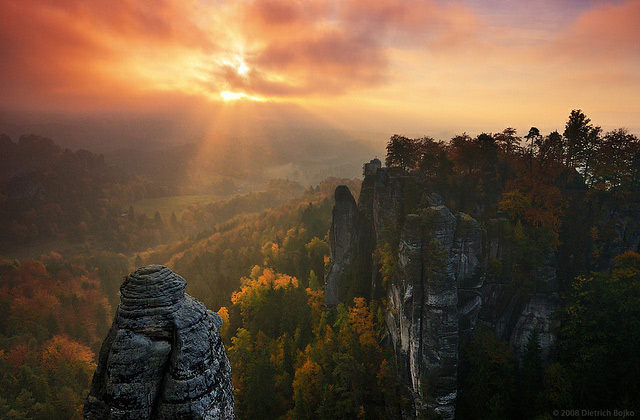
column 163, row 357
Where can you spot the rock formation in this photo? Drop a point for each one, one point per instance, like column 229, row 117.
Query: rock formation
column 422, row 315
column 371, row 167
column 440, row 289
column 343, row 241
column 163, row 357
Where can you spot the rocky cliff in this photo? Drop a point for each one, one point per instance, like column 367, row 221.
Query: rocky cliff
column 163, row 357
column 441, row 287
column 343, row 242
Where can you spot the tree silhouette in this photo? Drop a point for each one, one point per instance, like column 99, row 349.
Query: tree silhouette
column 582, row 139
column 613, row 164
column 464, row 152
column 532, row 136
column 508, row 140
column 401, row 152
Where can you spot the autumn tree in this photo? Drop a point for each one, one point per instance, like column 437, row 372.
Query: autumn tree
column 487, row 151
column 425, row 154
column 463, row 151
column 47, row 352
column 550, row 151
column 341, row 372
column 275, row 326
column 432, row 160
column 534, row 210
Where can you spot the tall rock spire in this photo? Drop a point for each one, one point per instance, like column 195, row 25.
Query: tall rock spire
column 343, row 241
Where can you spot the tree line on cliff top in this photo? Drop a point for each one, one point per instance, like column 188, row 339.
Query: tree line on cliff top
column 605, row 160
column 549, row 187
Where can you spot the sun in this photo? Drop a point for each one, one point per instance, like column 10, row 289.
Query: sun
column 238, row 63
column 243, row 68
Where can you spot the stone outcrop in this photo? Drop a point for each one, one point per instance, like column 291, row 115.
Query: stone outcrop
column 343, row 241
column 422, row 315
column 441, row 288
column 371, row 167
column 163, row 357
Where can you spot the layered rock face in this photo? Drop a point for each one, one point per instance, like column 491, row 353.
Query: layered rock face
column 422, row 315
column 430, row 299
column 440, row 289
column 163, row 357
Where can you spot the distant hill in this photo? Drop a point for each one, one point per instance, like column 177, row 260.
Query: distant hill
column 47, row 192
column 193, row 148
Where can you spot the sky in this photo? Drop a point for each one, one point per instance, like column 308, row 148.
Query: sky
column 418, row 67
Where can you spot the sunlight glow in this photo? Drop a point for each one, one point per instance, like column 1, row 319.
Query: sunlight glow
column 237, row 62
column 243, row 69
column 234, row 96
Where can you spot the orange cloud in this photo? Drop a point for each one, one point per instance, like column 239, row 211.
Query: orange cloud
column 332, row 47
column 460, row 60
column 594, row 62
column 607, row 31
column 76, row 53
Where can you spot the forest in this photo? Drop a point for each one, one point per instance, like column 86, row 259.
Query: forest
column 259, row 258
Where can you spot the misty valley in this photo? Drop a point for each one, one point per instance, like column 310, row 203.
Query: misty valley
column 489, row 276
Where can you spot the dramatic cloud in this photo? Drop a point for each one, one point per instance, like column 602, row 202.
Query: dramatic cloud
column 274, row 48
column 59, row 52
column 332, row 47
column 431, row 59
